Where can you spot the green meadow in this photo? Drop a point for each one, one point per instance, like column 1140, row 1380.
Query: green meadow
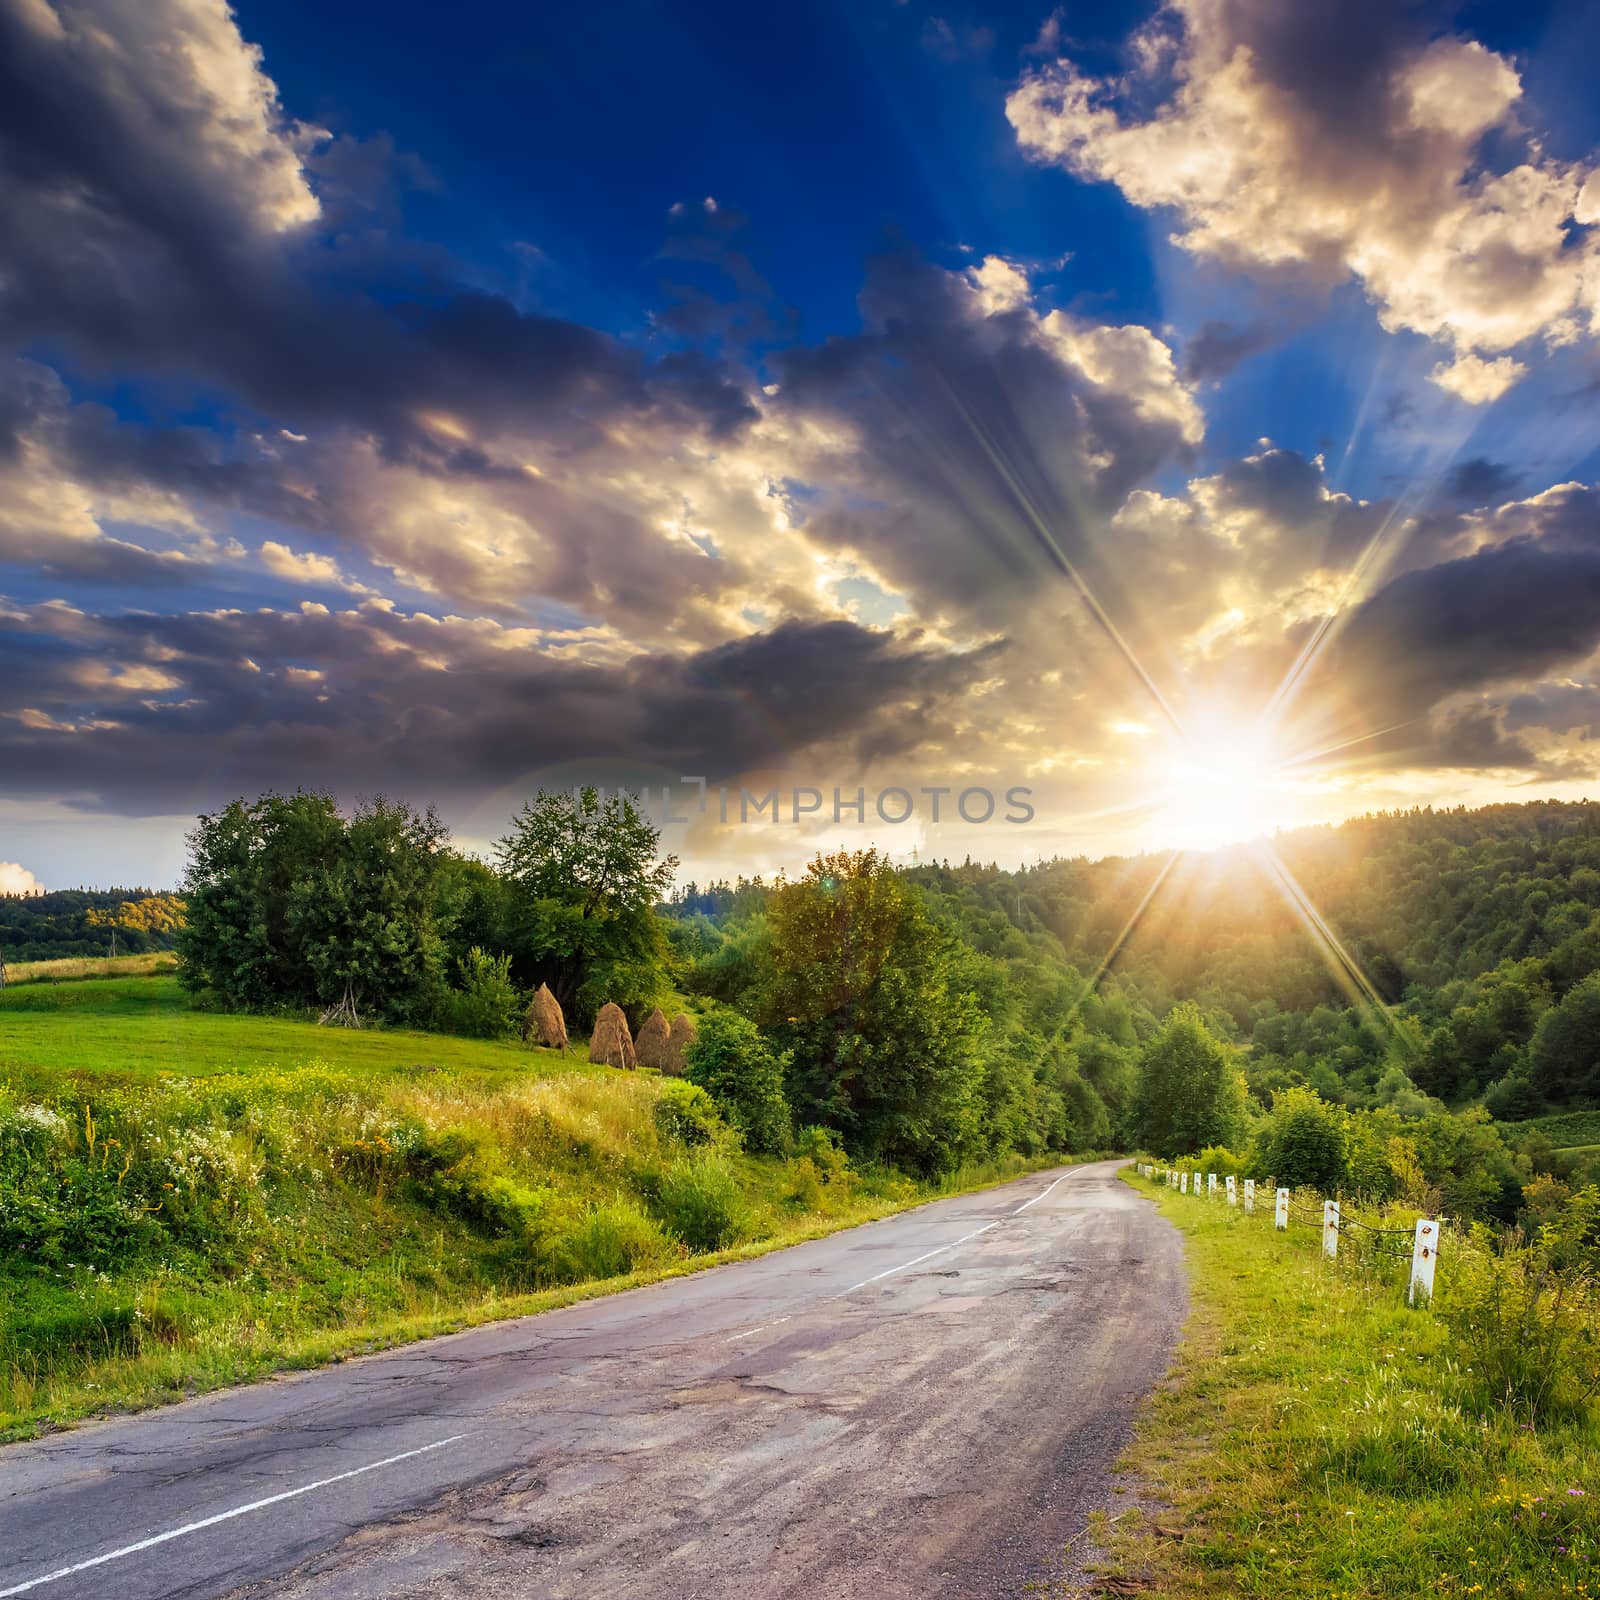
column 191, row 1199
column 123, row 1029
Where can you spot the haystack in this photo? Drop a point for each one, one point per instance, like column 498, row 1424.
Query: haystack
column 680, row 1036
column 652, row 1041
column 612, row 1044
column 544, row 1023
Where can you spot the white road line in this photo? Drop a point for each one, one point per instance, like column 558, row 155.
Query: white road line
column 223, row 1516
column 760, row 1327
column 1040, row 1196
column 927, row 1255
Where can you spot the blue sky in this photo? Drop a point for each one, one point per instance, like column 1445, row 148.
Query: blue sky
column 809, row 395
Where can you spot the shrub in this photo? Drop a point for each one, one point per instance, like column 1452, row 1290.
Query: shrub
column 485, row 1004
column 822, row 1147
column 685, row 1112
column 699, row 1199
column 819, row 1167
column 1302, row 1142
column 1219, row 1159
column 744, row 1075
column 1525, row 1315
column 610, row 1241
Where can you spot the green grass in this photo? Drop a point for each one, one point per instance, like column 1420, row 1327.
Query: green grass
column 1565, row 1129
column 143, row 1027
column 190, row 1200
column 1317, row 1438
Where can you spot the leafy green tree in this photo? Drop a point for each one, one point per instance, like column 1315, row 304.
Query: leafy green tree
column 1304, row 1141
column 1565, row 1055
column 1464, row 1156
column 1190, row 1092
column 863, row 990
column 583, row 879
column 731, row 1060
column 363, row 924
column 290, row 903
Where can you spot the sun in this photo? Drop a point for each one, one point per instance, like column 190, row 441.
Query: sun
column 1220, row 783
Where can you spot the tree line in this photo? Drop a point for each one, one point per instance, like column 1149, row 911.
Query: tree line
column 928, row 1015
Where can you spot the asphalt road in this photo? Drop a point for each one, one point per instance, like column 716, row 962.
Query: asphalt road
column 926, row 1406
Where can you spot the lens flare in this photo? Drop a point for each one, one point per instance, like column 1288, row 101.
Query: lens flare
column 1220, row 784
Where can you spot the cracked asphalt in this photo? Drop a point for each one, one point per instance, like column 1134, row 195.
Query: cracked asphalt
column 927, row 1406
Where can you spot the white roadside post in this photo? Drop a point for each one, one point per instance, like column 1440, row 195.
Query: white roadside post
column 1249, row 1196
column 1183, row 1182
column 1211, row 1186
column 1233, row 1191
column 1280, row 1217
column 1424, row 1254
column 1330, row 1228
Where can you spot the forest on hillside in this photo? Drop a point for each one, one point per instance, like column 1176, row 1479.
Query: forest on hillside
column 1420, row 985
column 67, row 923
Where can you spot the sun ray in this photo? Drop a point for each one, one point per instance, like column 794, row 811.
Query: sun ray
column 1052, row 547
column 1347, row 971
column 1128, row 929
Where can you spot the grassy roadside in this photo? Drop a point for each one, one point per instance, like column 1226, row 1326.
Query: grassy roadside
column 282, row 1195
column 1315, row 1438
column 235, row 1345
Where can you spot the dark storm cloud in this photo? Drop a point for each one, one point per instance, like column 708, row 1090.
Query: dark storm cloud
column 156, row 213
column 1480, row 482
column 975, row 439
column 149, row 714
column 1510, row 613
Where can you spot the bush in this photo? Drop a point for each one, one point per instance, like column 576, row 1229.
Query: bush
column 1525, row 1316
column 699, row 1199
column 819, row 1167
column 822, row 1147
column 741, row 1071
column 685, row 1112
column 1219, row 1159
column 485, row 1004
column 1302, row 1142
column 612, row 1240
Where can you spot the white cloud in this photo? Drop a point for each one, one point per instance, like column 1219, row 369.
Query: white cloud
column 15, row 879
column 1385, row 178
column 308, row 567
column 181, row 77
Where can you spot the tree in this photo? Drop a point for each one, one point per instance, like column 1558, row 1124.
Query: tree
column 582, row 849
column 731, row 1060
column 1565, row 1054
column 583, row 882
column 862, row 990
column 1190, row 1092
column 1304, row 1142
column 289, row 903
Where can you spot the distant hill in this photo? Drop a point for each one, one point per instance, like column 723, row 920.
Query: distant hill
column 87, row 922
column 1450, row 936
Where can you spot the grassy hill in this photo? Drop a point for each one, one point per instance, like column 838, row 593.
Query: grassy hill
column 190, row 1199
column 126, row 1028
